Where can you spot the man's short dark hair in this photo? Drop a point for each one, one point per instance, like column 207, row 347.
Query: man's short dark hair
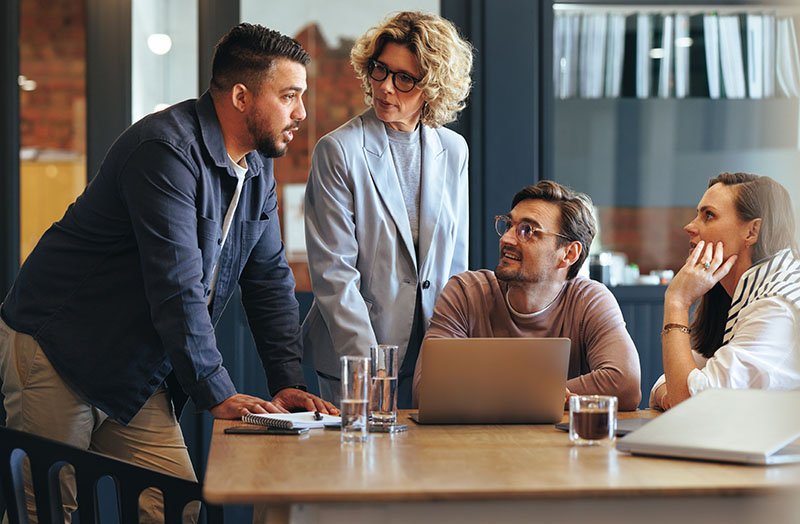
column 577, row 220
column 247, row 52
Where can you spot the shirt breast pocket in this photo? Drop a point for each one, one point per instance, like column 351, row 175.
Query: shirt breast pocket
column 253, row 232
column 209, row 240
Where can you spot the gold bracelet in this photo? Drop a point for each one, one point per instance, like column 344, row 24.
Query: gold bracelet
column 680, row 327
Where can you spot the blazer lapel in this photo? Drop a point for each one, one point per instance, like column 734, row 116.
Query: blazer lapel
column 381, row 168
column 433, row 178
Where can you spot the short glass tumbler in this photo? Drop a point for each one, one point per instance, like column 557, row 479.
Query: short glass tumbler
column 355, row 398
column 592, row 419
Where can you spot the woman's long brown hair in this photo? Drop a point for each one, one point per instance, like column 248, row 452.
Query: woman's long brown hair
column 756, row 197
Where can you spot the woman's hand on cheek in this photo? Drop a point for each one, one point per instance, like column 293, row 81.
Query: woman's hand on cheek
column 703, row 269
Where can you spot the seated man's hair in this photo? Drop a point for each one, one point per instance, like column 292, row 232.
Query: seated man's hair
column 246, row 54
column 577, row 220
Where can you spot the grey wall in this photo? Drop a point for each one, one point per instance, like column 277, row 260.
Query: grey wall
column 654, row 153
column 502, row 121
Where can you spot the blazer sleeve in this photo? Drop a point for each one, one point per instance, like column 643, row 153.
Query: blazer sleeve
column 333, row 249
column 461, row 249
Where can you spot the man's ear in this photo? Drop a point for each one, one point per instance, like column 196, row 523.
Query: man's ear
column 571, row 255
column 754, row 227
column 240, row 97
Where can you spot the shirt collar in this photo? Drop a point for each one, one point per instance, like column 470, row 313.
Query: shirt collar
column 215, row 143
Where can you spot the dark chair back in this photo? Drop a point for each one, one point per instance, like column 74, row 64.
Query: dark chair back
column 47, row 457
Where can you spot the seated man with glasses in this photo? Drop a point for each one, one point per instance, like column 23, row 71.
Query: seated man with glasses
column 535, row 292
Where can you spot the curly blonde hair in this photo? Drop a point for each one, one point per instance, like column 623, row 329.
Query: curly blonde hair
column 445, row 60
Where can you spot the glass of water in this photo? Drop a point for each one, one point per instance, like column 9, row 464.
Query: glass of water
column 355, row 398
column 383, row 399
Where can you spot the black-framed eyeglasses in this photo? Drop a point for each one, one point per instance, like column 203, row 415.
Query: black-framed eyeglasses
column 402, row 81
column 524, row 230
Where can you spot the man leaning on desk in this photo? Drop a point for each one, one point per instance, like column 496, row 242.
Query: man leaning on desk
column 535, row 292
column 110, row 322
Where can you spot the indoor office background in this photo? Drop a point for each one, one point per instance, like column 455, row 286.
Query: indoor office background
column 611, row 98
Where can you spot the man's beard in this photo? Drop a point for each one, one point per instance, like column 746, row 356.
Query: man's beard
column 520, row 273
column 507, row 274
column 511, row 275
column 269, row 146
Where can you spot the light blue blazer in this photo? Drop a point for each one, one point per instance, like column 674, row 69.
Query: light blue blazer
column 361, row 256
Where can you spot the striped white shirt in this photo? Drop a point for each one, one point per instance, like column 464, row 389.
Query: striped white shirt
column 761, row 344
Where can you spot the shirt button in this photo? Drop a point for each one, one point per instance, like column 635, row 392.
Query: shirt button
column 426, row 284
column 219, row 241
column 207, row 292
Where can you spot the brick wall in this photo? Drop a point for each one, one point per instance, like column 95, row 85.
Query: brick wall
column 334, row 96
column 53, row 54
column 652, row 237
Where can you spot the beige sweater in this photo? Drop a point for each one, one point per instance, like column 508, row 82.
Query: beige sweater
column 603, row 359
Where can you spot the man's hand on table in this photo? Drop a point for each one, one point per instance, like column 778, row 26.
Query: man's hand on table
column 286, row 400
column 294, row 399
column 237, row 405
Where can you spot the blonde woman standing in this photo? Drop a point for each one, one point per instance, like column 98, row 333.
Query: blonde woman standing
column 386, row 208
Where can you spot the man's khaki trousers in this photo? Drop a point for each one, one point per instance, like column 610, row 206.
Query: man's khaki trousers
column 38, row 401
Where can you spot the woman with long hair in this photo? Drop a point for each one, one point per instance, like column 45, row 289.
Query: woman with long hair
column 745, row 269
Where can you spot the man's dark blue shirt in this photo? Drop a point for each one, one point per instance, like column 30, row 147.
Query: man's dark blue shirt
column 116, row 292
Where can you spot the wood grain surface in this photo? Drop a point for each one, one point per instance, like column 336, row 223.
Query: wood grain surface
column 463, row 463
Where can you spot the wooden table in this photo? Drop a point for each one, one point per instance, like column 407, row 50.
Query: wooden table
column 485, row 473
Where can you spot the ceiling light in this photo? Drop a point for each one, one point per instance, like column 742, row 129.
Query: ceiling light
column 159, row 43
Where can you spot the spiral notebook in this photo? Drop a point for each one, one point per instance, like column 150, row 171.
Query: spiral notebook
column 303, row 419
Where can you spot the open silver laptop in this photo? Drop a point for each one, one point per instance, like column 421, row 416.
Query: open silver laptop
column 493, row 380
column 730, row 425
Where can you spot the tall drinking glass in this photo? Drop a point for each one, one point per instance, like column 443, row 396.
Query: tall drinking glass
column 383, row 401
column 355, row 398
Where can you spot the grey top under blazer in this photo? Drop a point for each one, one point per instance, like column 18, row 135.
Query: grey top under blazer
column 364, row 267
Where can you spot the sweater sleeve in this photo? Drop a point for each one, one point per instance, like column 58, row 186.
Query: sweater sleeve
column 610, row 354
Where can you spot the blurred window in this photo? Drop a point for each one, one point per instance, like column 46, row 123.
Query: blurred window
column 52, row 113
